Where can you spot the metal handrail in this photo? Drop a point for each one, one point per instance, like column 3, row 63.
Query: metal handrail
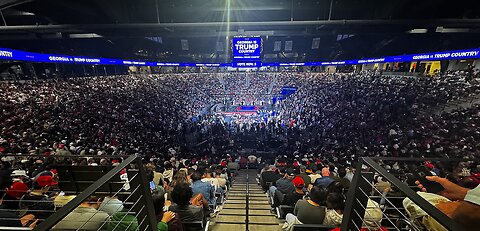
column 74, row 203
column 361, row 181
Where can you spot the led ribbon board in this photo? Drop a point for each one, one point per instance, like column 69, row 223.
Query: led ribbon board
column 9, row 54
column 246, row 48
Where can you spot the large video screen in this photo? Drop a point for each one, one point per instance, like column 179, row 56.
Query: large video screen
column 246, row 48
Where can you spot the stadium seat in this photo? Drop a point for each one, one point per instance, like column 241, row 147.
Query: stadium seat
column 283, row 210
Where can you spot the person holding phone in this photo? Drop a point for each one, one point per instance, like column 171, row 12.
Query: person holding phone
column 468, row 212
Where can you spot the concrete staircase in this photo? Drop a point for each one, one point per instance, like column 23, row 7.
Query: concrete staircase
column 233, row 216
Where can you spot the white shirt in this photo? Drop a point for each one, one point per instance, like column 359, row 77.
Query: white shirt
column 214, row 182
column 473, row 195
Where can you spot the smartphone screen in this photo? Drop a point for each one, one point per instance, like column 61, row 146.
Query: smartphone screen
column 152, row 185
column 432, row 187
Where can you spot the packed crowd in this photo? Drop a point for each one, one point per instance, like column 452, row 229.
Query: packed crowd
column 182, row 192
column 352, row 114
column 322, row 129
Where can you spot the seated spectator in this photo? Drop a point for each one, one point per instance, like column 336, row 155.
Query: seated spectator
column 284, row 184
column 111, row 205
column 292, row 197
column 467, row 212
column 206, row 189
column 84, row 217
column 341, row 178
column 157, row 174
column 372, row 221
column 13, row 195
column 270, row 174
column 335, row 205
column 168, row 173
column 166, row 220
column 303, row 174
column 222, row 182
column 308, row 211
column 37, row 202
column 207, row 177
column 123, row 219
column 314, row 175
column 7, row 219
column 20, row 176
column 325, row 180
column 181, row 195
column 335, row 187
column 179, row 177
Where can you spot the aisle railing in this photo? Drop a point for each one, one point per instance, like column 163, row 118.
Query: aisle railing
column 134, row 188
column 360, row 192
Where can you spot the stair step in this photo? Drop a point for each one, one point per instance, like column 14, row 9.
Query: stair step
column 227, row 226
column 233, row 216
column 243, row 198
column 267, row 209
column 250, row 212
column 250, row 223
column 243, row 202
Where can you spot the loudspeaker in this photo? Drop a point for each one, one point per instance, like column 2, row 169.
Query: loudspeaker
column 288, row 45
column 184, row 43
column 277, row 46
column 315, row 43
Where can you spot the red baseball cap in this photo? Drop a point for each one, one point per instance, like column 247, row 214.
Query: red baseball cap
column 17, row 190
column 43, row 181
column 298, row 182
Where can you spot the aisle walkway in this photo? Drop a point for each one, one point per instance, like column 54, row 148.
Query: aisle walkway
column 233, row 215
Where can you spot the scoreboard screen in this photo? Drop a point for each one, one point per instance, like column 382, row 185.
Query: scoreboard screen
column 246, row 48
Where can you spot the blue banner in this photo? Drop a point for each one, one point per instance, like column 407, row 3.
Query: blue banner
column 9, row 54
column 34, row 57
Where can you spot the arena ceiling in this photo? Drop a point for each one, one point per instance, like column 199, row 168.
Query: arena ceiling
column 153, row 29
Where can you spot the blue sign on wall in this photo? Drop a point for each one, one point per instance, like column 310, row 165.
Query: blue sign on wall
column 250, row 58
column 246, row 48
